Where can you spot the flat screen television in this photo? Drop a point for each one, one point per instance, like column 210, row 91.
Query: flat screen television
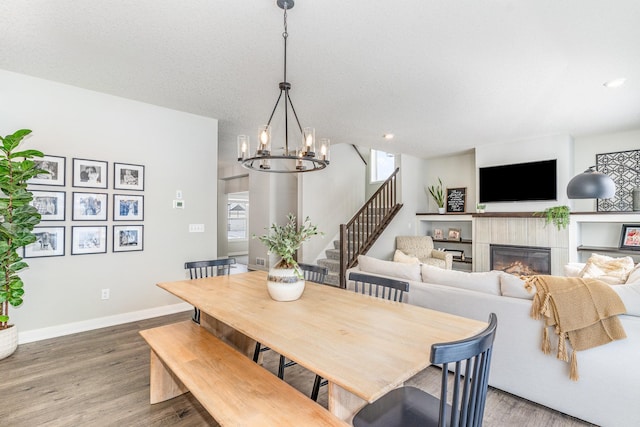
column 519, row 182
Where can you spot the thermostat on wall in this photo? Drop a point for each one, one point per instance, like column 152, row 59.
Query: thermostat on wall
column 178, row 204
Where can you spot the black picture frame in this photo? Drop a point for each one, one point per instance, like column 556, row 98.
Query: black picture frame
column 56, row 166
column 88, row 239
column 50, row 204
column 50, row 242
column 89, row 206
column 457, row 200
column 90, row 173
column 128, row 238
column 128, row 207
column 127, row 176
column 630, row 237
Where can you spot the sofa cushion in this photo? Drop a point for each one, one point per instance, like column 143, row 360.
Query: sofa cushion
column 513, row 286
column 613, row 271
column 487, row 282
column 400, row 256
column 630, row 296
column 398, row 270
column 634, row 276
column 573, row 269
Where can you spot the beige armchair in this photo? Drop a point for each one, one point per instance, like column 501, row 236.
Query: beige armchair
column 421, row 247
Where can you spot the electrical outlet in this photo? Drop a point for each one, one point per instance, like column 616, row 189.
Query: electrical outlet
column 196, row 228
column 105, row 294
column 261, row 261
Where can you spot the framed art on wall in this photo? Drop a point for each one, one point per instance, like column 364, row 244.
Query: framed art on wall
column 89, row 206
column 127, row 238
column 88, row 240
column 128, row 177
column 127, row 207
column 630, row 237
column 50, row 204
column 55, row 166
column 89, row 173
column 49, row 242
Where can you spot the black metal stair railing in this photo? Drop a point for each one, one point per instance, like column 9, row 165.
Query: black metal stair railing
column 360, row 233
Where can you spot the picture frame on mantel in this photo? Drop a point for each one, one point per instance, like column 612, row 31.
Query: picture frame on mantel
column 630, row 237
column 456, row 200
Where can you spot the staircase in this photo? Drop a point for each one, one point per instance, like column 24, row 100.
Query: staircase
column 361, row 232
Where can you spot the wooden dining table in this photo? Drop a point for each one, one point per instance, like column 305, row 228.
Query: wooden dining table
column 363, row 346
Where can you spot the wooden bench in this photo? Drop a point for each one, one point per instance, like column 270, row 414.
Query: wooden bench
column 231, row 387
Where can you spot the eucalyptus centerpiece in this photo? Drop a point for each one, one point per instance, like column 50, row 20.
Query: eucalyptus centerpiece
column 285, row 280
column 17, row 219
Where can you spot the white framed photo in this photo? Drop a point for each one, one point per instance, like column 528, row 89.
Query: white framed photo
column 127, row 238
column 55, row 166
column 128, row 177
column 88, row 240
column 89, row 206
column 50, row 204
column 89, row 173
column 49, row 242
column 127, row 207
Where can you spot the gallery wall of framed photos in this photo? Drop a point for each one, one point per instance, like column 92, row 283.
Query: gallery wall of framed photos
column 102, row 217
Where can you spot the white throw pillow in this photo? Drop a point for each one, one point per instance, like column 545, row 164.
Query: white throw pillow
column 613, row 271
column 573, row 269
column 513, row 286
column 400, row 256
column 634, row 276
column 630, row 296
column 488, row 282
column 398, row 270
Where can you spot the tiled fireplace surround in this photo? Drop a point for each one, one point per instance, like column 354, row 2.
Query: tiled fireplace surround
column 525, row 230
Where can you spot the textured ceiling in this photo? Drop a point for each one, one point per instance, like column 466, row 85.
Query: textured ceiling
column 443, row 76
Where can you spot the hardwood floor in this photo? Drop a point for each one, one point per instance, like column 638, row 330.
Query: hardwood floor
column 101, row 378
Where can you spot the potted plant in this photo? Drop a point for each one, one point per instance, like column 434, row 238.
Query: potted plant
column 558, row 215
column 285, row 281
column 437, row 192
column 480, row 207
column 17, row 219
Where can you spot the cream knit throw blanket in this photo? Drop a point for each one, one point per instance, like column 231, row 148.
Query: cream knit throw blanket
column 581, row 310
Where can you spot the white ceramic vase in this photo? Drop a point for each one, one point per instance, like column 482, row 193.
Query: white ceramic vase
column 441, row 211
column 284, row 285
column 8, row 341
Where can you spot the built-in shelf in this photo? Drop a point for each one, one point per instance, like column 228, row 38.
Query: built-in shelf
column 463, row 241
column 608, row 249
column 466, row 260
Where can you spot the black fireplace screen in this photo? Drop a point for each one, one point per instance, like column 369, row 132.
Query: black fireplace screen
column 521, row 260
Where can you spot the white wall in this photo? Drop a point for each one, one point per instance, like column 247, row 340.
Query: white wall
column 455, row 172
column 546, row 148
column 586, row 148
column 330, row 197
column 179, row 152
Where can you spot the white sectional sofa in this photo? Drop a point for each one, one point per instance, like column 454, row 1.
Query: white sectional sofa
column 608, row 391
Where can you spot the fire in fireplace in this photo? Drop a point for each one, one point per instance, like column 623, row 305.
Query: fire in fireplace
column 520, row 260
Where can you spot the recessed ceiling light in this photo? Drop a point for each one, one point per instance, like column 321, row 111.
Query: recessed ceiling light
column 388, row 136
column 612, row 84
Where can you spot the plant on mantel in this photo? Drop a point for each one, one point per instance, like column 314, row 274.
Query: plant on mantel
column 558, row 215
column 17, row 217
column 437, row 192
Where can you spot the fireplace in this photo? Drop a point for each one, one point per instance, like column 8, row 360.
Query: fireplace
column 520, row 260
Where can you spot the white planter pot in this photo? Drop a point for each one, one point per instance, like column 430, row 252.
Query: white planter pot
column 284, row 285
column 8, row 341
column 441, row 211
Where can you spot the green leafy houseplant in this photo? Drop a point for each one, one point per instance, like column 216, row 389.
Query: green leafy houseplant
column 558, row 215
column 286, row 240
column 437, row 192
column 17, row 217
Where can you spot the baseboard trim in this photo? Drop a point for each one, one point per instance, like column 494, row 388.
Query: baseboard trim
column 101, row 322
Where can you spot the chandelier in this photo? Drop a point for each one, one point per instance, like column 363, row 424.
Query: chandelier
column 303, row 158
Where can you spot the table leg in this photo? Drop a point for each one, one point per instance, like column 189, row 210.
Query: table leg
column 241, row 342
column 343, row 403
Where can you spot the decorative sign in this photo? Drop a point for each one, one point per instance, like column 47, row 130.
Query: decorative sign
column 456, row 199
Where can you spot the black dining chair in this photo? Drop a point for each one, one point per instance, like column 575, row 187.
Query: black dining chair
column 209, row 268
column 409, row 406
column 312, row 273
column 381, row 287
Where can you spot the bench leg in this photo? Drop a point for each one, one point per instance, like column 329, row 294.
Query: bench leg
column 163, row 385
